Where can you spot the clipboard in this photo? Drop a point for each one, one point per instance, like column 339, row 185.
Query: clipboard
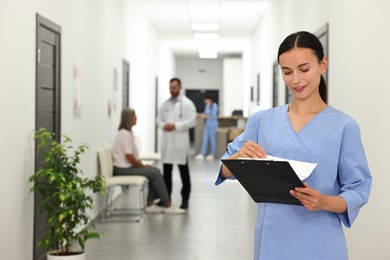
column 265, row 180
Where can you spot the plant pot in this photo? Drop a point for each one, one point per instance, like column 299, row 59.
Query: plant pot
column 80, row 256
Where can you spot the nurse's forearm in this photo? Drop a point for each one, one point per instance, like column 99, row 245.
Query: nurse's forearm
column 336, row 204
column 225, row 172
column 313, row 200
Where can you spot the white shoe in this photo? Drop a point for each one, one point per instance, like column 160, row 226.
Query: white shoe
column 173, row 210
column 210, row 157
column 199, row 157
column 154, row 209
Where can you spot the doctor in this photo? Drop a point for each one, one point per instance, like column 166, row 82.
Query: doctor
column 175, row 117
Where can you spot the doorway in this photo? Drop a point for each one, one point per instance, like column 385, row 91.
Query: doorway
column 47, row 103
column 197, row 96
column 155, row 114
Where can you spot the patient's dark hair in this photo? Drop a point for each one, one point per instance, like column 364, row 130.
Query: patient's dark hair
column 305, row 39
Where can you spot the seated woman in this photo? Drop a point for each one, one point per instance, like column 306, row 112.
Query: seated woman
column 126, row 162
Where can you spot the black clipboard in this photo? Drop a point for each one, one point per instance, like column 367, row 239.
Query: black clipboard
column 266, row 181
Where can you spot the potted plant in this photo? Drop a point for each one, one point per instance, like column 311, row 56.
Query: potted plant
column 65, row 196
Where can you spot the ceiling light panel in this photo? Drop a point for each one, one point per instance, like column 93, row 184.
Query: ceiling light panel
column 208, row 55
column 236, row 18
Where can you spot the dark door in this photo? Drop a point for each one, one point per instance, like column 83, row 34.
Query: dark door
column 48, row 105
column 197, row 96
column 125, row 83
column 155, row 115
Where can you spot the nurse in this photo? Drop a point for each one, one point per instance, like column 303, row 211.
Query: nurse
column 310, row 130
column 210, row 115
column 175, row 118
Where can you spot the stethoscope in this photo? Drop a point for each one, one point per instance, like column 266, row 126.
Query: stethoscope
column 167, row 103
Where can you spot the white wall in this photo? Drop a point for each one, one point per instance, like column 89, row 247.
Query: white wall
column 232, row 98
column 17, row 120
column 359, row 43
column 198, row 73
column 96, row 35
column 247, row 72
column 223, row 74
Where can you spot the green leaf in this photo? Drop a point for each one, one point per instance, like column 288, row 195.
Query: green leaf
column 65, row 196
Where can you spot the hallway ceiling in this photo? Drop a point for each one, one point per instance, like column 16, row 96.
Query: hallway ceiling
column 173, row 19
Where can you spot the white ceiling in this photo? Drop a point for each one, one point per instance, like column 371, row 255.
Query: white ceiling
column 237, row 20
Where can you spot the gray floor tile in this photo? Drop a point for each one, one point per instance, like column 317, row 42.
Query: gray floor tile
column 218, row 225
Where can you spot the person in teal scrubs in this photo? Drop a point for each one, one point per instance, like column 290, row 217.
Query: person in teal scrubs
column 309, row 130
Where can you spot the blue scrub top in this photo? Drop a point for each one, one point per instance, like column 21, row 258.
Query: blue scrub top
column 332, row 140
column 211, row 110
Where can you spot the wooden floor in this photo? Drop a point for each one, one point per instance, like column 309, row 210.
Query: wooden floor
column 218, row 225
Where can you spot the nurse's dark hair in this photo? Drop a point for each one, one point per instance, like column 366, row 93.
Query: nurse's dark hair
column 126, row 119
column 305, row 39
column 176, row 79
column 208, row 97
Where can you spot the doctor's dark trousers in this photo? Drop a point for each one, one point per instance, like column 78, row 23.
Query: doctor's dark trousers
column 185, row 179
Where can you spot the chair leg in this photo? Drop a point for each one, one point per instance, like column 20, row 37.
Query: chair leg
column 110, row 202
column 141, row 201
column 106, row 205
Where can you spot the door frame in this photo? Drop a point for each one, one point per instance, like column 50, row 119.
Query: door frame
column 42, row 22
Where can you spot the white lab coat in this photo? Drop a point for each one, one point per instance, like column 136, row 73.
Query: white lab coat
column 175, row 145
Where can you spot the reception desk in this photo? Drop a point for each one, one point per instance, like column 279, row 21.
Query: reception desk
column 229, row 128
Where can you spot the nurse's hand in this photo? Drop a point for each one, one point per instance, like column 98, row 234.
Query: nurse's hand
column 313, row 200
column 248, row 150
column 251, row 150
column 310, row 198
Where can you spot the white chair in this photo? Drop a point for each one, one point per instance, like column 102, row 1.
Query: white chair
column 147, row 158
column 105, row 165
